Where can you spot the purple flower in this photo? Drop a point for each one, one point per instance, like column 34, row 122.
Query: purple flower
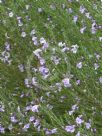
column 78, row 82
column 70, row 128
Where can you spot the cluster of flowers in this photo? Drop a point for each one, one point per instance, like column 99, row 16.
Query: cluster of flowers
column 5, row 55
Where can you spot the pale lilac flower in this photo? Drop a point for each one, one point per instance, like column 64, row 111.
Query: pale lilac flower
column 53, row 131
column 44, row 70
column 42, row 61
column 26, row 126
column 74, row 107
column 70, row 10
column 93, row 29
column 21, row 67
column 79, row 65
column 2, row 129
column 66, row 82
column 96, row 66
column 75, row 18
column 13, row 119
column 45, row 46
column 78, row 134
column 100, row 79
column 28, row 108
column 79, row 121
column 35, row 108
column 82, row 9
column 88, row 125
column 36, row 123
column 55, row 59
column 42, row 40
column 82, row 30
column 7, row 46
column 26, row 82
column 70, row 128
column 32, row 119
column 65, row 49
column 78, row 82
column 34, row 38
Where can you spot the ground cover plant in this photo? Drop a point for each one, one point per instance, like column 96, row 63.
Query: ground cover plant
column 51, row 67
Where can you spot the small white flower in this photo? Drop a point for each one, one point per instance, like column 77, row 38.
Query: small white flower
column 11, row 14
column 32, row 32
column 23, row 34
column 34, row 81
column 74, row 48
column 40, row 10
column 100, row 39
